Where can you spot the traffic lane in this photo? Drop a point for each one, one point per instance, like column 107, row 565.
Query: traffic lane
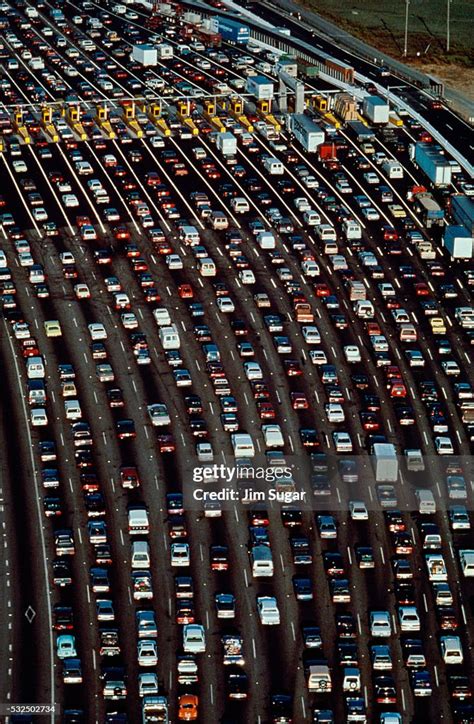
column 184, row 433
column 83, row 560
column 149, row 383
column 23, row 679
column 109, row 458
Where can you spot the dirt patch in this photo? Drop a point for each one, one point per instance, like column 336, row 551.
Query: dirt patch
column 455, row 76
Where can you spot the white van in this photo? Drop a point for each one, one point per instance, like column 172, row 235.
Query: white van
column 169, row 337
column 35, row 368
column 162, row 317
column 261, row 560
column 140, row 554
column 138, row 523
column 364, row 309
column 266, row 240
column 240, row 205
column 426, row 502
column 273, row 166
column 351, row 229
column 242, row 445
column 311, row 218
column 206, row 267
column 190, row 235
column 219, row 220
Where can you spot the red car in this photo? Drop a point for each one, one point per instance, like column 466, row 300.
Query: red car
column 185, row 291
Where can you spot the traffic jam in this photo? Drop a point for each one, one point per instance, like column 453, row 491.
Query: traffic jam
column 186, row 290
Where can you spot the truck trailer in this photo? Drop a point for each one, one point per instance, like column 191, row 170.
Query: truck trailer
column 458, row 242
column 431, row 212
column 231, row 30
column 226, row 143
column 430, row 159
column 308, row 133
column 145, row 54
column 376, row 110
column 385, row 462
column 361, row 131
column 462, row 211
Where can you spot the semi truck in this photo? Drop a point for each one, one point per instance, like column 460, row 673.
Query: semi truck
column 362, row 132
column 462, row 211
column 231, row 30
column 431, row 212
column 376, row 110
column 385, row 462
column 458, row 242
column 430, row 159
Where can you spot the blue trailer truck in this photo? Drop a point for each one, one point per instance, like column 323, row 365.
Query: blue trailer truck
column 231, row 30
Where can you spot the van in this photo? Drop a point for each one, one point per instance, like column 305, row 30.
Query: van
column 169, row 337
column 261, row 561
column 273, row 166
column 364, row 309
column 219, row 220
column 239, row 205
column 351, row 229
column 140, row 554
column 206, row 267
column 426, row 502
column 242, row 445
column 35, row 368
column 190, row 235
column 72, row 410
column 311, row 218
column 266, row 240
column 326, row 232
column 36, row 392
column 162, row 317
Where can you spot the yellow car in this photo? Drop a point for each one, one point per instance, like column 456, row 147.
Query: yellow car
column 52, row 328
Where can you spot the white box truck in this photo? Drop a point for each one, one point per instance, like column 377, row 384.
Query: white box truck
column 145, row 54
column 385, row 462
column 226, row 143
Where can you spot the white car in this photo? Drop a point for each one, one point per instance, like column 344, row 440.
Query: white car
column 444, row 446
column 451, row 649
column 371, row 177
column 174, row 261
column 352, row 354
column 147, row 652
column 25, row 258
column 97, row 331
column 342, row 442
column 39, row 214
column 358, row 510
column 409, row 618
column 129, row 320
column 158, row 414
column 225, row 305
column 380, row 624
column 247, row 276
column 334, row 412
column 21, row 330
column 38, row 417
column 253, row 371
column 82, row 291
column 72, row 410
column 67, row 257
column 70, row 201
column 194, row 638
column 268, row 611
column 318, row 357
column 20, row 166
column 147, row 684
column 180, row 554
column 370, row 213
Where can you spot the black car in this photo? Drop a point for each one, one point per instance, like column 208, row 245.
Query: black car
column 237, row 683
column 281, row 706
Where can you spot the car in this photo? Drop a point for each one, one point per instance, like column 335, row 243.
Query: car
column 105, row 610
column 188, row 707
column 268, row 611
column 97, row 331
column 380, row 624
column 158, row 414
column 302, row 588
column 358, row 510
column 66, row 646
column 194, row 639
column 147, row 652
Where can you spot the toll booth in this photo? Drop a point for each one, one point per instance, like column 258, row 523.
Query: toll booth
column 47, row 123
column 129, row 118
column 73, row 116
column 102, row 119
column 19, row 126
column 154, row 114
column 184, row 111
column 211, row 115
